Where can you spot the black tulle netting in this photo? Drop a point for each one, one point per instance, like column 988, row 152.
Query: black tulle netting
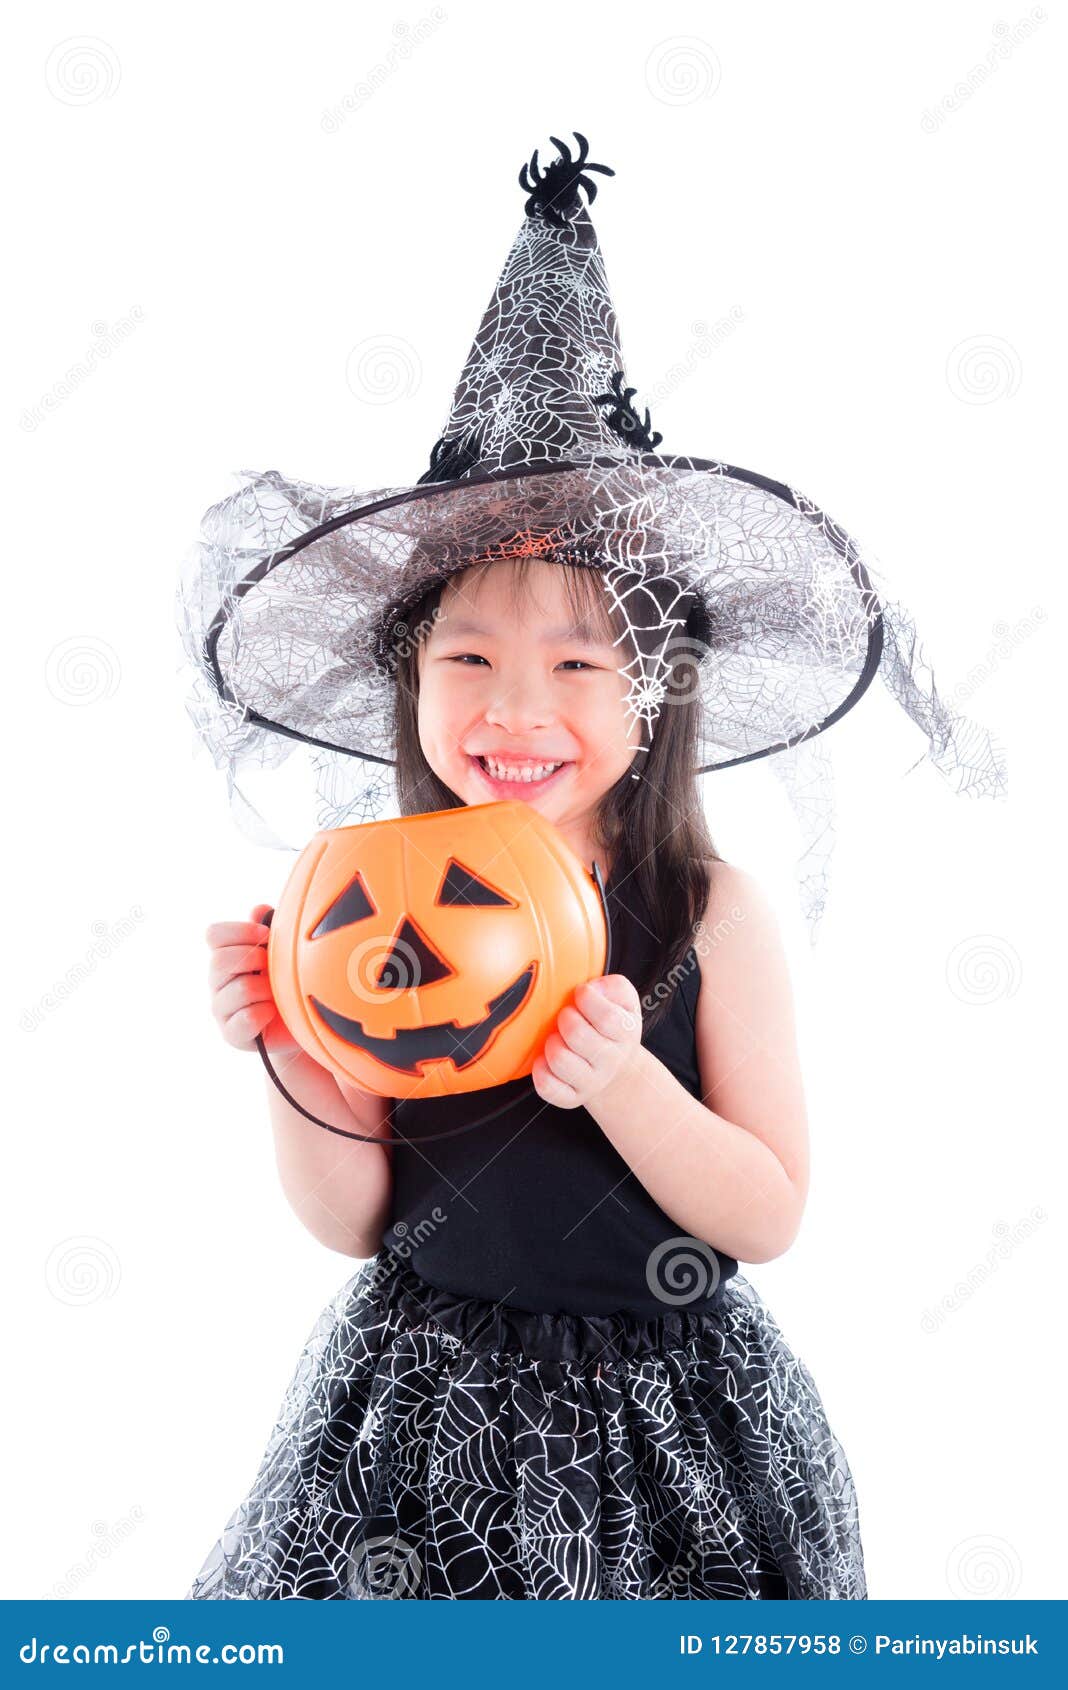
column 435, row 1446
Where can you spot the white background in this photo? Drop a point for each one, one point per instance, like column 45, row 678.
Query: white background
column 215, row 180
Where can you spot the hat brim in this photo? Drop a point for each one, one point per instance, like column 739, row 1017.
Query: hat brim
column 300, row 640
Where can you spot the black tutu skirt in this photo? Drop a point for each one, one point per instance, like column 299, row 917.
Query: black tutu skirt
column 434, row 1446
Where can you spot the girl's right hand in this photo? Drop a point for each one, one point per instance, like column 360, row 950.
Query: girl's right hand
column 243, row 1004
column 241, row 997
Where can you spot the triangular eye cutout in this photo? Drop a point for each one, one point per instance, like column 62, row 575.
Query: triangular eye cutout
column 410, row 962
column 352, row 905
column 463, row 886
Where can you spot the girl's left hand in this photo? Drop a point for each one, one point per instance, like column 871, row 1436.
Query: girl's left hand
column 595, row 1039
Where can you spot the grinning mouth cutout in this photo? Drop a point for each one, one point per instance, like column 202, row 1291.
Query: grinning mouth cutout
column 408, row 1048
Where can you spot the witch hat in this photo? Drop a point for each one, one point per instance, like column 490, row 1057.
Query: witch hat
column 294, row 602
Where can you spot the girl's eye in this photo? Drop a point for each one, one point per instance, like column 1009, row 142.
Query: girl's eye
column 474, row 657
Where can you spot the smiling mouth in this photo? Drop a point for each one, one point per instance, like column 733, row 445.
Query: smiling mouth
column 408, row 1048
column 521, row 782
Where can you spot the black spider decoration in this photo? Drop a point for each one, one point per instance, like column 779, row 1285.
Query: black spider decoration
column 450, row 459
column 624, row 420
column 554, row 191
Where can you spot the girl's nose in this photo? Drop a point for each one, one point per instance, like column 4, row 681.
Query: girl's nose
column 519, row 708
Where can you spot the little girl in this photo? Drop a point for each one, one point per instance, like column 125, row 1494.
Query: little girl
column 549, row 1380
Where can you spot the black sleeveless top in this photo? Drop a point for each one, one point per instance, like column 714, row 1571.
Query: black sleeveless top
column 536, row 1208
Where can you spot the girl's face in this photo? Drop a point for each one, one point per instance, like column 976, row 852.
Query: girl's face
column 514, row 703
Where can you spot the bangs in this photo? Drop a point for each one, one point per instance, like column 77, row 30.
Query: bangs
column 589, row 604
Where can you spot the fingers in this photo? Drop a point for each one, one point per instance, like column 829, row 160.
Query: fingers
column 577, row 1032
column 239, row 994
column 563, row 1062
column 612, row 1005
column 230, row 961
column 242, row 1001
column 237, row 933
column 243, row 1027
column 244, row 1008
column 550, row 1089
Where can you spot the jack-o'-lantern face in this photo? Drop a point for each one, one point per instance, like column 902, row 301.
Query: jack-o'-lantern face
column 433, row 954
column 413, row 960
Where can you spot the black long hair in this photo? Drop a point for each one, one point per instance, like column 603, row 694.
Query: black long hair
column 654, row 829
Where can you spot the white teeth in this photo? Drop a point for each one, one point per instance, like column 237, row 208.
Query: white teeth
column 529, row 772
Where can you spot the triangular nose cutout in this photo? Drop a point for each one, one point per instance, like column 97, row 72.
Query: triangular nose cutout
column 411, row 962
column 463, row 886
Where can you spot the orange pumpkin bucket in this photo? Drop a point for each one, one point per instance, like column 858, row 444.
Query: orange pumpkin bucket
column 432, row 954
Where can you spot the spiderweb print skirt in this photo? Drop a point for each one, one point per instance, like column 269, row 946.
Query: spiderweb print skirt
column 433, row 1446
